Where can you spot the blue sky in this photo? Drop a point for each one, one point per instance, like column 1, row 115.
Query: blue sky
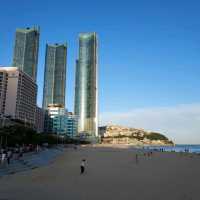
column 149, row 51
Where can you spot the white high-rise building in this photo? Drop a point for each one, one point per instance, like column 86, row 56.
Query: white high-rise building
column 18, row 94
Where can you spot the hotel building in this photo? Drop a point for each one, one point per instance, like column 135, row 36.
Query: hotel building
column 18, row 93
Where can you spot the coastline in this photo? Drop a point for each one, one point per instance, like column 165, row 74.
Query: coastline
column 111, row 173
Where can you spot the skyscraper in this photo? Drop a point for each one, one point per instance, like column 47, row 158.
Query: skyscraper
column 26, row 51
column 55, row 75
column 86, row 103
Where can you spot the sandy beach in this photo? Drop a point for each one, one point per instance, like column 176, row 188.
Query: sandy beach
column 111, row 173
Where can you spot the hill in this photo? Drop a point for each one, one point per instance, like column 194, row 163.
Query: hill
column 123, row 135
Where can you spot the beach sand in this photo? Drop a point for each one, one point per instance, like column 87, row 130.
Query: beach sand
column 111, row 174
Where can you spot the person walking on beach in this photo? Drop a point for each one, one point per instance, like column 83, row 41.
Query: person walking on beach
column 75, row 147
column 3, row 157
column 9, row 155
column 136, row 158
column 83, row 166
column 20, row 152
column 37, row 148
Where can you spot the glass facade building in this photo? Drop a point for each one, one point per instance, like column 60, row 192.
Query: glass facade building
column 26, row 51
column 71, row 125
column 56, row 120
column 86, row 103
column 55, row 75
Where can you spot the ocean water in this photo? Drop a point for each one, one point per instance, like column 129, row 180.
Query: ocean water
column 179, row 148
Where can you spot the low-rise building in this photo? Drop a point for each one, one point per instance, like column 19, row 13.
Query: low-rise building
column 56, row 119
column 72, row 125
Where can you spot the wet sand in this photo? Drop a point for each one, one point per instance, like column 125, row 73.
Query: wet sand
column 111, row 174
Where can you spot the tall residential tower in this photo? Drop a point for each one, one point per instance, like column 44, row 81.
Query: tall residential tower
column 26, row 51
column 55, row 75
column 86, row 100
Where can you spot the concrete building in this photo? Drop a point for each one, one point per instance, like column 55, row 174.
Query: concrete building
column 72, row 125
column 3, row 90
column 39, row 120
column 26, row 51
column 18, row 93
column 86, row 100
column 55, row 75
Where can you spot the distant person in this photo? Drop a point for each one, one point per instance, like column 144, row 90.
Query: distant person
column 37, row 148
column 83, row 166
column 21, row 152
column 2, row 150
column 136, row 158
column 3, row 157
column 9, row 154
column 75, row 147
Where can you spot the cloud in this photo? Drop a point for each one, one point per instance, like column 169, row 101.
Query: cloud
column 180, row 123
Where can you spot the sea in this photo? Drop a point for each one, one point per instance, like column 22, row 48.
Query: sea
column 178, row 148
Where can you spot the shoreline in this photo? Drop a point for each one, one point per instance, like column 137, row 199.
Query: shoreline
column 156, row 148
column 137, row 149
column 111, row 173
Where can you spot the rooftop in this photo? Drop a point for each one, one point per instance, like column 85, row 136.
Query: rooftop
column 87, row 34
column 3, row 68
column 57, row 45
column 28, row 29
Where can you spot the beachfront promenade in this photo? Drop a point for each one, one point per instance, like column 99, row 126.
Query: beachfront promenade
column 111, row 173
column 30, row 161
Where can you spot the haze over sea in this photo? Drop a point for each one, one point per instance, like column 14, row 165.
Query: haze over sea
column 179, row 148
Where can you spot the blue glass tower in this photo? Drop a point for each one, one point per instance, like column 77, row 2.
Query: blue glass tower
column 55, row 75
column 26, row 51
column 86, row 103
